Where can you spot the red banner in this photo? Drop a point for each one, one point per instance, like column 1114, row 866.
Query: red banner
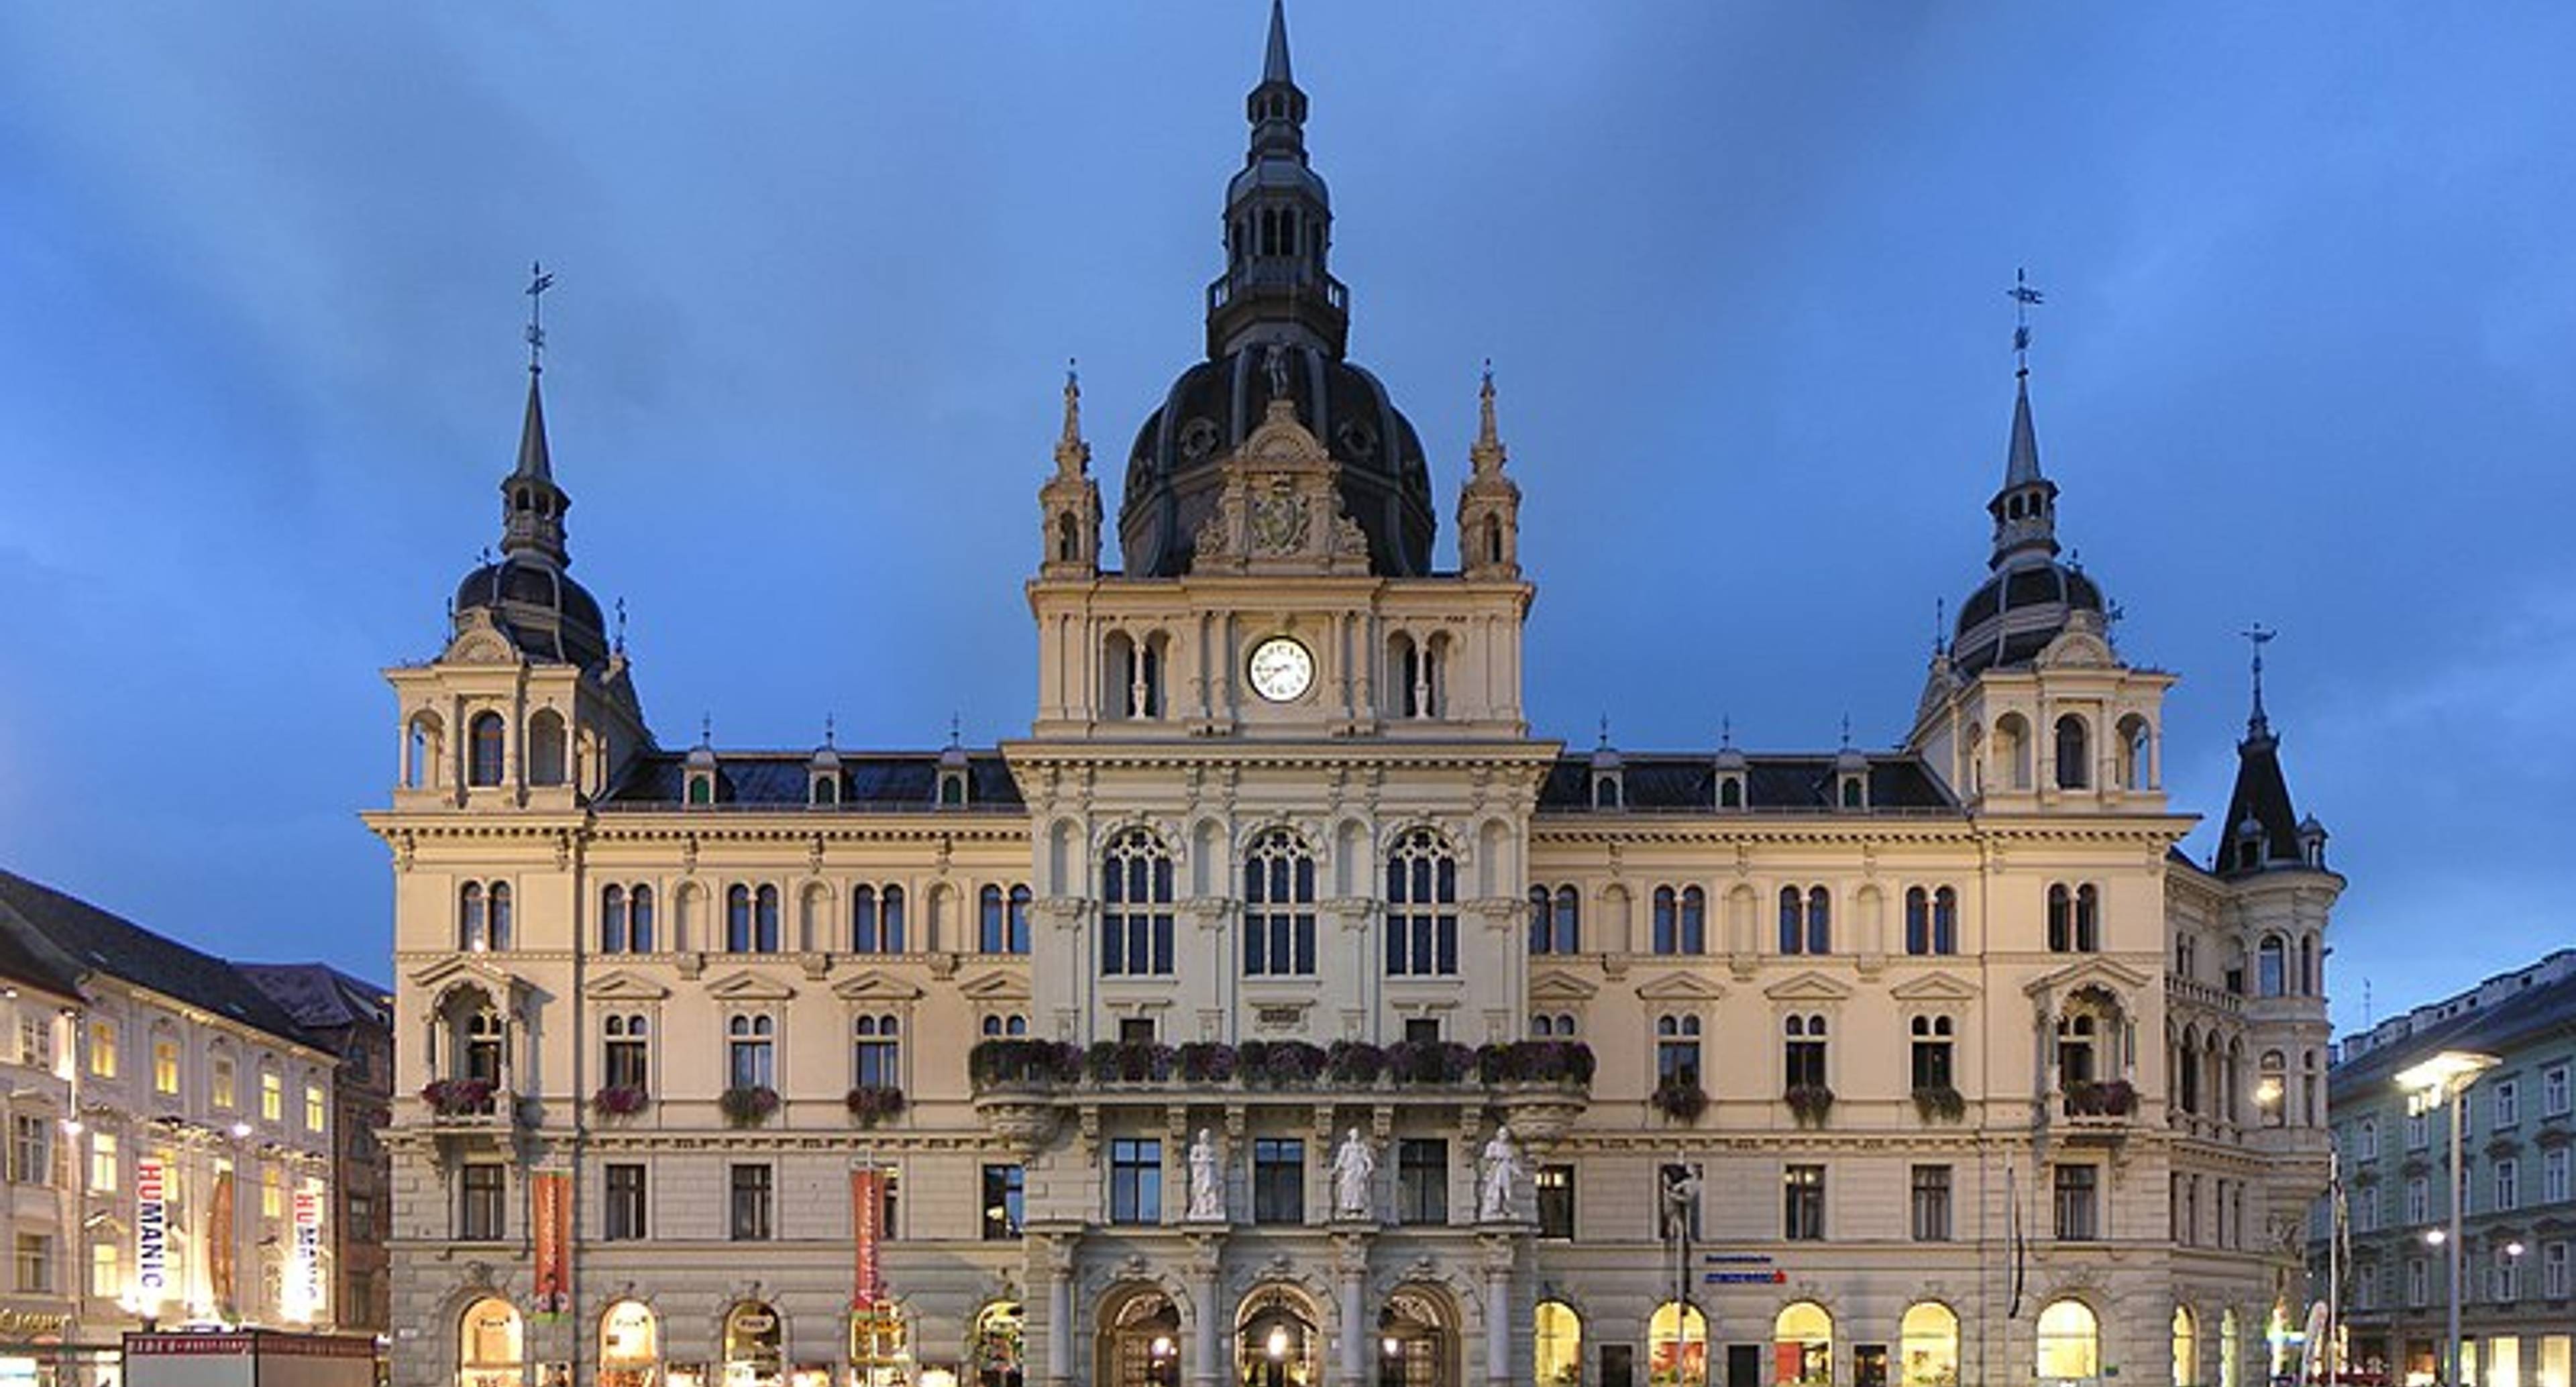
column 551, row 1197
column 867, row 1229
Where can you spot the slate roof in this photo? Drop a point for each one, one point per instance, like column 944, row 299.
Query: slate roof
column 85, row 939
column 871, row 782
column 319, row 996
column 2264, row 794
column 1687, row 781
column 2498, row 1028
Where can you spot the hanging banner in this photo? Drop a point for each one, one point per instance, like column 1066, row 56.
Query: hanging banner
column 304, row 1261
column 552, row 1197
column 220, row 1239
column 867, row 1229
column 151, row 1232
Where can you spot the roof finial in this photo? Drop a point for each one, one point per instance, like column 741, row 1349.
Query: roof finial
column 1846, row 732
column 1605, row 731
column 956, row 730
column 1940, row 626
column 1726, row 732
column 1072, row 455
column 621, row 626
column 706, row 729
column 2024, row 296
column 1487, row 455
column 538, row 283
column 828, row 729
column 2258, row 635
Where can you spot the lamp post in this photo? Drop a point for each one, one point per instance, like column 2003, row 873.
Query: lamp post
column 2447, row 1076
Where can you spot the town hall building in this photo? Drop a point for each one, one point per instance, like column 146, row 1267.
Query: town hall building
column 1283, row 1008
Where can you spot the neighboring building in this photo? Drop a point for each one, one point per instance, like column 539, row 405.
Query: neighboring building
column 355, row 1021
column 713, row 1037
column 193, row 1131
column 2518, row 1229
column 40, row 1337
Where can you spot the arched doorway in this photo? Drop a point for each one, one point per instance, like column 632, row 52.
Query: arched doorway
column 1556, row 1341
column 630, row 1345
column 2186, row 1348
column 754, row 1346
column 491, row 1345
column 1417, row 1339
column 1140, row 1339
column 996, row 1345
column 1275, row 1340
column 2070, row 1343
column 1677, row 1346
column 1928, row 1342
column 1802, row 1345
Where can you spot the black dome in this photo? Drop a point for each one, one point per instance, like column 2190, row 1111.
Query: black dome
column 545, row 614
column 1173, row 476
column 2014, row 614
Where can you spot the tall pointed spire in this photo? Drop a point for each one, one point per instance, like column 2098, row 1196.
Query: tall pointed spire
column 1274, row 64
column 2262, row 828
column 1278, row 226
column 532, row 506
column 2025, row 509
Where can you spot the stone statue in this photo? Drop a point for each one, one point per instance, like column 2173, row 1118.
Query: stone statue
column 1496, row 1199
column 1207, row 1181
column 1354, row 1170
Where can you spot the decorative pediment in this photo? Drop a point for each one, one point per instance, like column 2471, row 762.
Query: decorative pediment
column 1680, row 987
column 2089, row 969
column 1562, row 987
column 876, row 985
column 455, row 969
column 1280, row 510
column 1934, row 987
column 624, row 986
column 2082, row 645
column 1000, row 985
column 1808, row 987
column 749, row 986
column 479, row 642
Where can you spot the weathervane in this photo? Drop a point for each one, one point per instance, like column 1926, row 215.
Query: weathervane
column 538, row 283
column 2258, row 635
column 2023, row 297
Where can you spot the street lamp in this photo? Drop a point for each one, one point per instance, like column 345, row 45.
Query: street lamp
column 2428, row 1084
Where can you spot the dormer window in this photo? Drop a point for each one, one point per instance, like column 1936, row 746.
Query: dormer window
column 826, row 789
column 952, row 787
column 1605, row 791
column 1730, row 789
column 1855, row 791
column 702, row 787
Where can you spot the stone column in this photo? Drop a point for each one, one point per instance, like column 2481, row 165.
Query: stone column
column 1204, row 1341
column 1499, row 1313
column 1059, row 1285
column 1350, row 1273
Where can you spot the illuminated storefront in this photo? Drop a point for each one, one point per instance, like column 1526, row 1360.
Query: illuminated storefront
column 880, row 1348
column 1556, row 1341
column 491, row 1345
column 754, row 1355
column 2070, row 1343
column 1802, row 1346
column 997, row 1345
column 630, row 1345
column 1677, row 1346
column 1928, row 1345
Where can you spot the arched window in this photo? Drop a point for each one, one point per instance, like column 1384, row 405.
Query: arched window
column 2271, row 967
column 547, row 762
column 751, row 1052
column 1556, row 1338
column 997, row 1027
column 2061, row 919
column 1730, row 792
column 988, row 920
column 626, row 1052
column 639, row 920
column 1918, row 920
column 499, row 896
column 630, row 1342
column 2137, row 753
column 2307, row 965
column 866, row 935
column 1677, row 1051
column 1820, row 921
column 473, row 923
column 826, row 790
column 1928, row 1345
column 1015, row 920
column 1605, row 792
column 2186, row 1348
column 2012, row 751
column 1556, row 1026
column 421, row 753
column 1677, row 1344
column 1934, row 1041
column 489, row 1342
column 1802, row 1345
column 764, row 920
column 2271, row 1088
column 876, row 1052
column 1793, row 921
column 1802, row 1052
column 2074, row 754
column 1945, row 921
column 1681, row 920
column 2070, row 1342
column 484, row 736
column 1278, row 906
column 1541, row 932
column 738, row 919
column 1556, row 920
column 2088, row 919
column 613, row 920
column 1135, row 906
column 1422, row 906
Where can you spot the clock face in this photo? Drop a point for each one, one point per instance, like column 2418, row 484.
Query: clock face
column 1281, row 669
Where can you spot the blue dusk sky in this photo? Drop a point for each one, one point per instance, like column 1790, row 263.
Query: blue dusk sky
column 2310, row 323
